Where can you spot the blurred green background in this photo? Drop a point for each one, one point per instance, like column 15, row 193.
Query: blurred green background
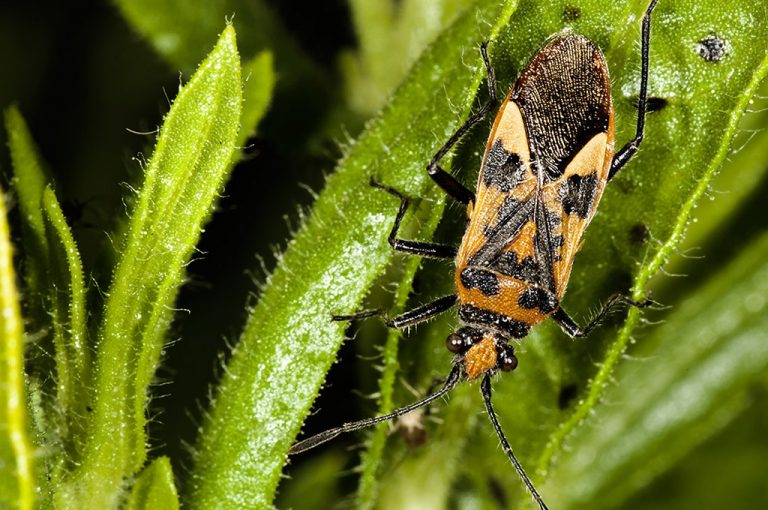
column 93, row 89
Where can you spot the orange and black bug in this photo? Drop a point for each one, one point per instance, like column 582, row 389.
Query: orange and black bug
column 547, row 161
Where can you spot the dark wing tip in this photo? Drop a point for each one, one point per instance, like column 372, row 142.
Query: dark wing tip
column 565, row 96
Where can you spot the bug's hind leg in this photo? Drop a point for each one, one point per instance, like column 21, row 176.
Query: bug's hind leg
column 442, row 178
column 409, row 318
column 571, row 328
column 625, row 154
column 432, row 250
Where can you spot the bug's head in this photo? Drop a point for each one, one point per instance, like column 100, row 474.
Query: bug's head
column 481, row 351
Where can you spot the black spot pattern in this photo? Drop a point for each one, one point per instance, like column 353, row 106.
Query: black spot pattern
column 502, row 169
column 508, row 207
column 577, row 194
column 556, row 242
column 473, row 315
column 476, row 278
column 536, row 297
column 526, row 270
column 512, row 216
column 552, row 242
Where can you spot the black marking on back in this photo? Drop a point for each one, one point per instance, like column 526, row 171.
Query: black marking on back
column 577, row 194
column 508, row 264
column 564, row 96
column 478, row 316
column 482, row 279
column 502, row 168
column 511, row 218
column 508, row 212
column 513, row 215
column 545, row 242
column 536, row 297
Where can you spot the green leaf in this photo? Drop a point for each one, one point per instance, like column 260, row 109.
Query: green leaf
column 154, row 488
column 30, row 179
column 67, row 309
column 695, row 371
column 17, row 478
column 739, row 185
column 289, row 341
column 371, row 459
column 191, row 161
column 728, row 467
column 55, row 293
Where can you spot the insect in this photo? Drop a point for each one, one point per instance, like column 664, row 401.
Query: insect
column 546, row 164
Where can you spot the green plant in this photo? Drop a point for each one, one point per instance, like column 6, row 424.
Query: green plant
column 593, row 425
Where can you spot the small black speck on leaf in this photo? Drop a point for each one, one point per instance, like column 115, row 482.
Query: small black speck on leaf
column 571, row 13
column 639, row 233
column 652, row 104
column 712, row 48
column 567, row 394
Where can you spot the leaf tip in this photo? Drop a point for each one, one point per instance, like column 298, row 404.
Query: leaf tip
column 228, row 39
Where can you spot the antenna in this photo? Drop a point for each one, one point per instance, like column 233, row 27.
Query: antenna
column 485, row 388
column 453, row 378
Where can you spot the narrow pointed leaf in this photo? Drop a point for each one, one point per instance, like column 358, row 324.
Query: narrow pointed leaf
column 155, row 488
column 17, row 480
column 190, row 162
column 30, row 179
column 67, row 309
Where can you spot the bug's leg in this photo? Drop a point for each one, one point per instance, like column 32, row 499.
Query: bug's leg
column 629, row 150
column 432, row 250
column 422, row 313
column 409, row 318
column 571, row 328
column 442, row 178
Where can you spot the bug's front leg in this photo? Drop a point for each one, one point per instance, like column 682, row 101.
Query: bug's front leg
column 446, row 181
column 410, row 318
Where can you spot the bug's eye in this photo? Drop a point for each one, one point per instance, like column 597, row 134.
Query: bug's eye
column 507, row 361
column 456, row 343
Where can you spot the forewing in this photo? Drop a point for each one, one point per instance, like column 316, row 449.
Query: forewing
column 545, row 167
column 502, row 219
